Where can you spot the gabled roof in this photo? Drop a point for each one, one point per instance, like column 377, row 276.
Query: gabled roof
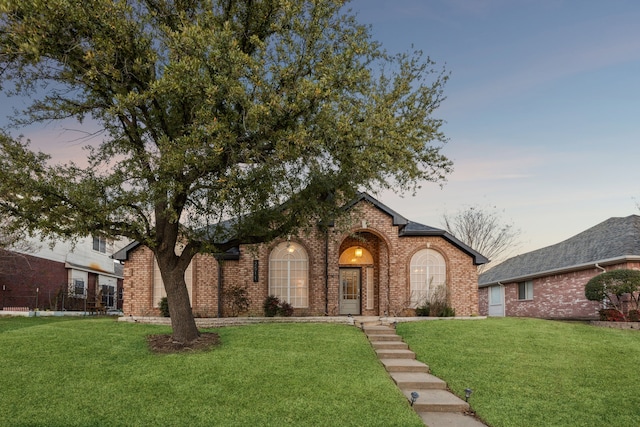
column 612, row 241
column 406, row 228
column 409, row 228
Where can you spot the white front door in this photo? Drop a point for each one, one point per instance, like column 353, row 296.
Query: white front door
column 350, row 291
column 496, row 301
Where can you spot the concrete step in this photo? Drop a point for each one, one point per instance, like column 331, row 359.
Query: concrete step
column 436, row 401
column 380, row 337
column 404, row 365
column 417, row 380
column 449, row 419
column 382, row 330
column 395, row 354
column 390, row 345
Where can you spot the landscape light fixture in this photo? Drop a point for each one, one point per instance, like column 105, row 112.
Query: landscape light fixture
column 414, row 397
column 467, row 394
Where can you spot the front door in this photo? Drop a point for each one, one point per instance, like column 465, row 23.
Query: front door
column 350, row 291
column 496, row 301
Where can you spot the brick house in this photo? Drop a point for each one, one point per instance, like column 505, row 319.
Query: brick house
column 381, row 263
column 60, row 277
column 549, row 282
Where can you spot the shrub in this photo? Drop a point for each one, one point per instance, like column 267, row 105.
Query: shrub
column 436, row 305
column 423, row 310
column 274, row 307
column 236, row 300
column 633, row 316
column 270, row 306
column 164, row 307
column 611, row 315
column 285, row 309
column 612, row 285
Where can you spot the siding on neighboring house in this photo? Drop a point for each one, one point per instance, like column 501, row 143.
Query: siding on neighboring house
column 560, row 272
column 385, row 285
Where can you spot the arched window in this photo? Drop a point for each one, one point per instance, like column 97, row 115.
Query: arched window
column 428, row 273
column 289, row 274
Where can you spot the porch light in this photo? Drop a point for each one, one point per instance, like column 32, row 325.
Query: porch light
column 358, row 252
column 414, row 397
column 467, row 394
column 290, row 248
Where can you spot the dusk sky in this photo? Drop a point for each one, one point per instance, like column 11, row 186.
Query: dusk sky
column 542, row 110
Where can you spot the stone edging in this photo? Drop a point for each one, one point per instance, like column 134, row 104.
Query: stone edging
column 616, row 325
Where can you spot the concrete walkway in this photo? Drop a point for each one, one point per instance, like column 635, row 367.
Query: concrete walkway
column 435, row 404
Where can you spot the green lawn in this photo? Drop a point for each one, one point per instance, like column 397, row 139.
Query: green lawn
column 530, row 372
column 98, row 372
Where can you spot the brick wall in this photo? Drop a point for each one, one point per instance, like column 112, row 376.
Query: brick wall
column 29, row 281
column 376, row 233
column 558, row 296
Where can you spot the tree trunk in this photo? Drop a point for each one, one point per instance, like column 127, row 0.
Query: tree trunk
column 182, row 321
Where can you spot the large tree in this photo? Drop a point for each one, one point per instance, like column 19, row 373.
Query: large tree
column 224, row 121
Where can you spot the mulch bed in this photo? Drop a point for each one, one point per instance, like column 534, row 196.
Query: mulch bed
column 165, row 343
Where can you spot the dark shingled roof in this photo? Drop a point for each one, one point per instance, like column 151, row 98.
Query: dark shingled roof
column 613, row 240
column 405, row 228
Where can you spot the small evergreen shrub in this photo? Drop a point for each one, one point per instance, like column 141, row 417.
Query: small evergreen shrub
column 270, row 306
column 274, row 307
column 633, row 316
column 164, row 307
column 285, row 309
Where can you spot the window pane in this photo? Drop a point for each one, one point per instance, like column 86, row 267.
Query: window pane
column 288, row 274
column 428, row 272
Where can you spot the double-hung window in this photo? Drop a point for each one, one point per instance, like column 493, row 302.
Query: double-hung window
column 525, row 290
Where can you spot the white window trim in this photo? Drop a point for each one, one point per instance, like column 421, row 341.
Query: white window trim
column 528, row 290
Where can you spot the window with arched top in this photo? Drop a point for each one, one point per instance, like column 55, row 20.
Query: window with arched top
column 428, row 273
column 356, row 255
column 289, row 274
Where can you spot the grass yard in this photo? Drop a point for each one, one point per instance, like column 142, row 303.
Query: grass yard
column 98, row 372
column 531, row 372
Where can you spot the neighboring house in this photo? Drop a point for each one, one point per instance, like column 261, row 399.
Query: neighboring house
column 62, row 277
column 549, row 282
column 383, row 264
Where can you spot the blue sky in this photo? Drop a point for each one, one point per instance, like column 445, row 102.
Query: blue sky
column 542, row 110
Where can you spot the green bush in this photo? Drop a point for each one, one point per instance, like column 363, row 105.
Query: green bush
column 274, row 307
column 423, row 310
column 270, row 306
column 164, row 307
column 285, row 309
column 615, row 282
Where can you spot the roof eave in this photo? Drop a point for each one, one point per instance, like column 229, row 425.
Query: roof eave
column 478, row 258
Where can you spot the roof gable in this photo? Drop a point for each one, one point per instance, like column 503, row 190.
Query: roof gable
column 614, row 239
column 406, row 228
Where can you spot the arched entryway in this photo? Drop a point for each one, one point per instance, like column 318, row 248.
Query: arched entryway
column 359, row 274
